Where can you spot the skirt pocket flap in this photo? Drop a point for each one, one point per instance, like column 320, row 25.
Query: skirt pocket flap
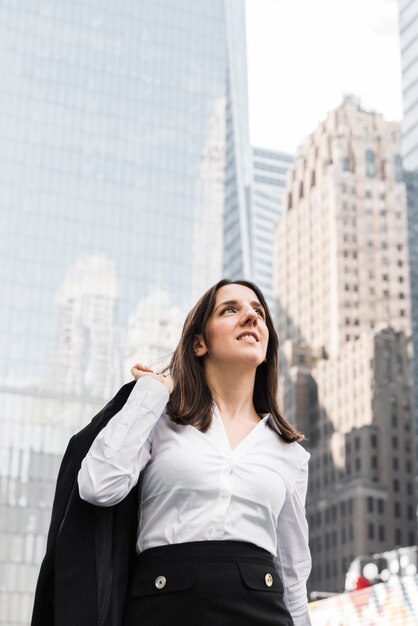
column 164, row 578
column 260, row 577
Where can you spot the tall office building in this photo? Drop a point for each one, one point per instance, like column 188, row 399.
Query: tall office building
column 408, row 30
column 344, row 318
column 117, row 122
column 270, row 170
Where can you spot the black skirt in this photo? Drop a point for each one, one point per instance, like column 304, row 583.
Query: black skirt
column 206, row 583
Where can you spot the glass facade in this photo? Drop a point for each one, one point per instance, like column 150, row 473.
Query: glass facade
column 124, row 149
column 270, row 170
column 408, row 29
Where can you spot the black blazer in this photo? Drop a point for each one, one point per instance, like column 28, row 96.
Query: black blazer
column 83, row 579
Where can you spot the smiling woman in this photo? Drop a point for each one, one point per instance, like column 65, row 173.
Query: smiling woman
column 209, row 352
column 222, row 536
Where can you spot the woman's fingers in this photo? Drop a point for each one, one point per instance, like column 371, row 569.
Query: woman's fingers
column 143, row 368
column 139, row 371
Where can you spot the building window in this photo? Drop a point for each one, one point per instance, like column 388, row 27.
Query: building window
column 395, row 442
column 395, row 485
column 382, row 536
column 395, row 463
column 370, row 164
column 398, row 537
column 373, row 462
column 345, row 164
column 373, row 440
column 396, row 509
column 380, row 506
column 370, row 504
column 398, row 169
column 370, row 530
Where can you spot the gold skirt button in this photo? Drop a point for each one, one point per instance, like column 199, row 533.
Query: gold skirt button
column 268, row 580
column 160, row 582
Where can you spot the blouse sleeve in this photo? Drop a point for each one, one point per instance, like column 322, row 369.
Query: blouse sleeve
column 293, row 559
column 122, row 449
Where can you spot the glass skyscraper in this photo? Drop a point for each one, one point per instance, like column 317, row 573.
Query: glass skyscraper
column 125, row 177
column 270, row 170
column 408, row 30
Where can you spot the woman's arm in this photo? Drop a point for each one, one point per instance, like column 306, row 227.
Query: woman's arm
column 122, row 449
column 293, row 559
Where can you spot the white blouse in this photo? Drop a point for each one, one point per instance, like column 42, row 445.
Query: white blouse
column 196, row 488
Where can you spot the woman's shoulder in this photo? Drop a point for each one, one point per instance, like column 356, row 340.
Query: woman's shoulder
column 294, row 449
column 295, row 453
column 291, row 457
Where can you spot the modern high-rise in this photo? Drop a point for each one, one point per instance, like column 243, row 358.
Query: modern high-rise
column 408, row 32
column 344, row 321
column 269, row 185
column 124, row 158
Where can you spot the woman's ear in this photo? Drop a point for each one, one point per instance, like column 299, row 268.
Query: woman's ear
column 199, row 346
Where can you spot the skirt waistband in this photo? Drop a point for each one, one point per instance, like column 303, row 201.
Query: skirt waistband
column 226, row 550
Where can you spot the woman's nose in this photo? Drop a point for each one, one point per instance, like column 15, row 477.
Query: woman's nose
column 249, row 316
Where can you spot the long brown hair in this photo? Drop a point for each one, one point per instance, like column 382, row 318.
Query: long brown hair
column 191, row 401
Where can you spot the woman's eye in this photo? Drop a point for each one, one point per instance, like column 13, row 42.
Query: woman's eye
column 228, row 309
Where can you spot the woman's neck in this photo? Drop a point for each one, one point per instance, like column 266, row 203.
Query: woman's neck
column 232, row 393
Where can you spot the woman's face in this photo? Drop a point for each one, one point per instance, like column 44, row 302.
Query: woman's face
column 236, row 330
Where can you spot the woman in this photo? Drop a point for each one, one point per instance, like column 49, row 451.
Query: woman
column 222, row 537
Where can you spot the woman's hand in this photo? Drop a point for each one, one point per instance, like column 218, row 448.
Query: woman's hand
column 140, row 371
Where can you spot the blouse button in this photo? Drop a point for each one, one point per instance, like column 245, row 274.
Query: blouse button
column 160, row 582
column 268, row 579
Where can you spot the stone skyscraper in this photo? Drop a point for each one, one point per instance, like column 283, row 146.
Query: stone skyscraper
column 344, row 320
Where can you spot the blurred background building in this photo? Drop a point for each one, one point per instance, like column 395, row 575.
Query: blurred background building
column 344, row 317
column 408, row 33
column 125, row 164
column 270, row 170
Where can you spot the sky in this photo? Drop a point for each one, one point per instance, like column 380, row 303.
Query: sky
column 304, row 55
